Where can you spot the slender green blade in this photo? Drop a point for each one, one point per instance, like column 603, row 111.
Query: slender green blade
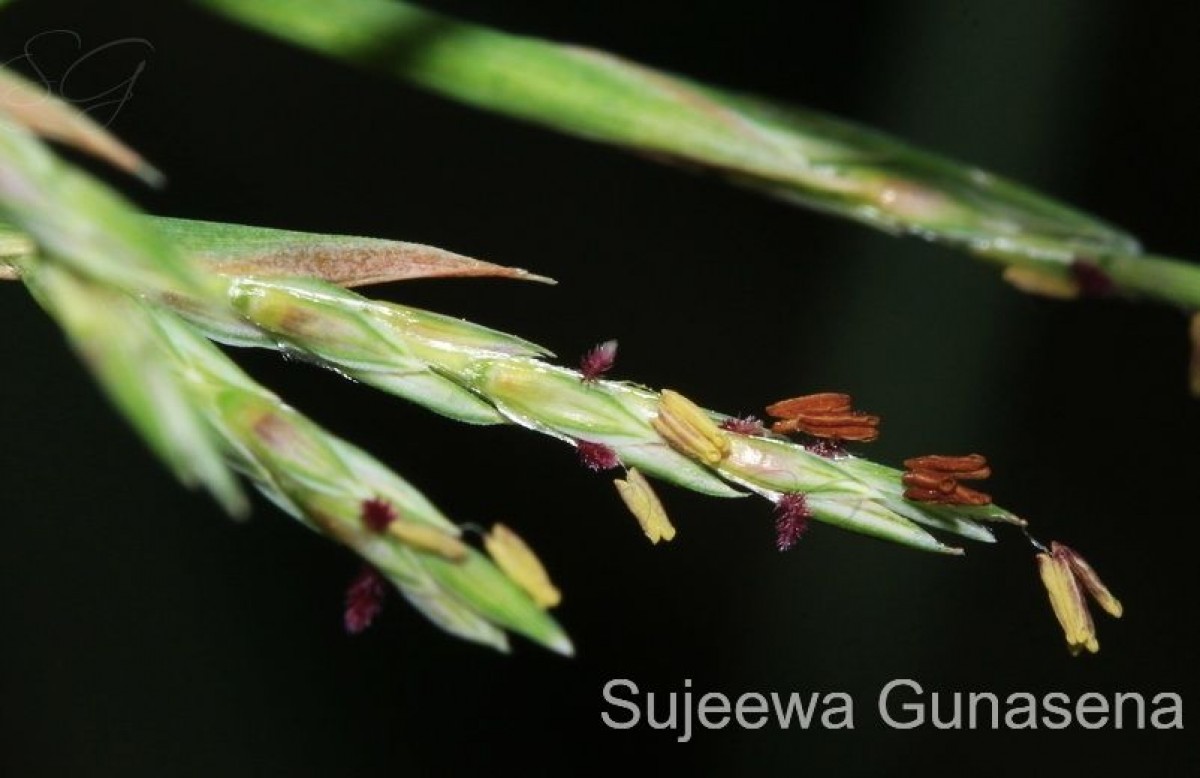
column 801, row 155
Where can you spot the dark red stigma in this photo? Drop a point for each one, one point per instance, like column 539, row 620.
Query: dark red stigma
column 829, row 448
column 596, row 456
column 746, row 425
column 378, row 514
column 1092, row 280
column 598, row 361
column 791, row 520
column 364, row 600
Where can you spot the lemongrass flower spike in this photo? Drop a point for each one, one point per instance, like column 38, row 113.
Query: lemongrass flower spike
column 519, row 563
column 690, row 430
column 1063, row 573
column 137, row 298
column 645, row 506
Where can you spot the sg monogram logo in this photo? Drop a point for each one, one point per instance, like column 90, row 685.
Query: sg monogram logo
column 98, row 80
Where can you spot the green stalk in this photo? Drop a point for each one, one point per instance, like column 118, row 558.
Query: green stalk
column 799, row 155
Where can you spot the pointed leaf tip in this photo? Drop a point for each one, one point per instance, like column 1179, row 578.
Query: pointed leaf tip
column 349, row 261
column 42, row 113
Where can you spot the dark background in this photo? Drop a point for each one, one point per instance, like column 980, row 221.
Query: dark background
column 145, row 635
